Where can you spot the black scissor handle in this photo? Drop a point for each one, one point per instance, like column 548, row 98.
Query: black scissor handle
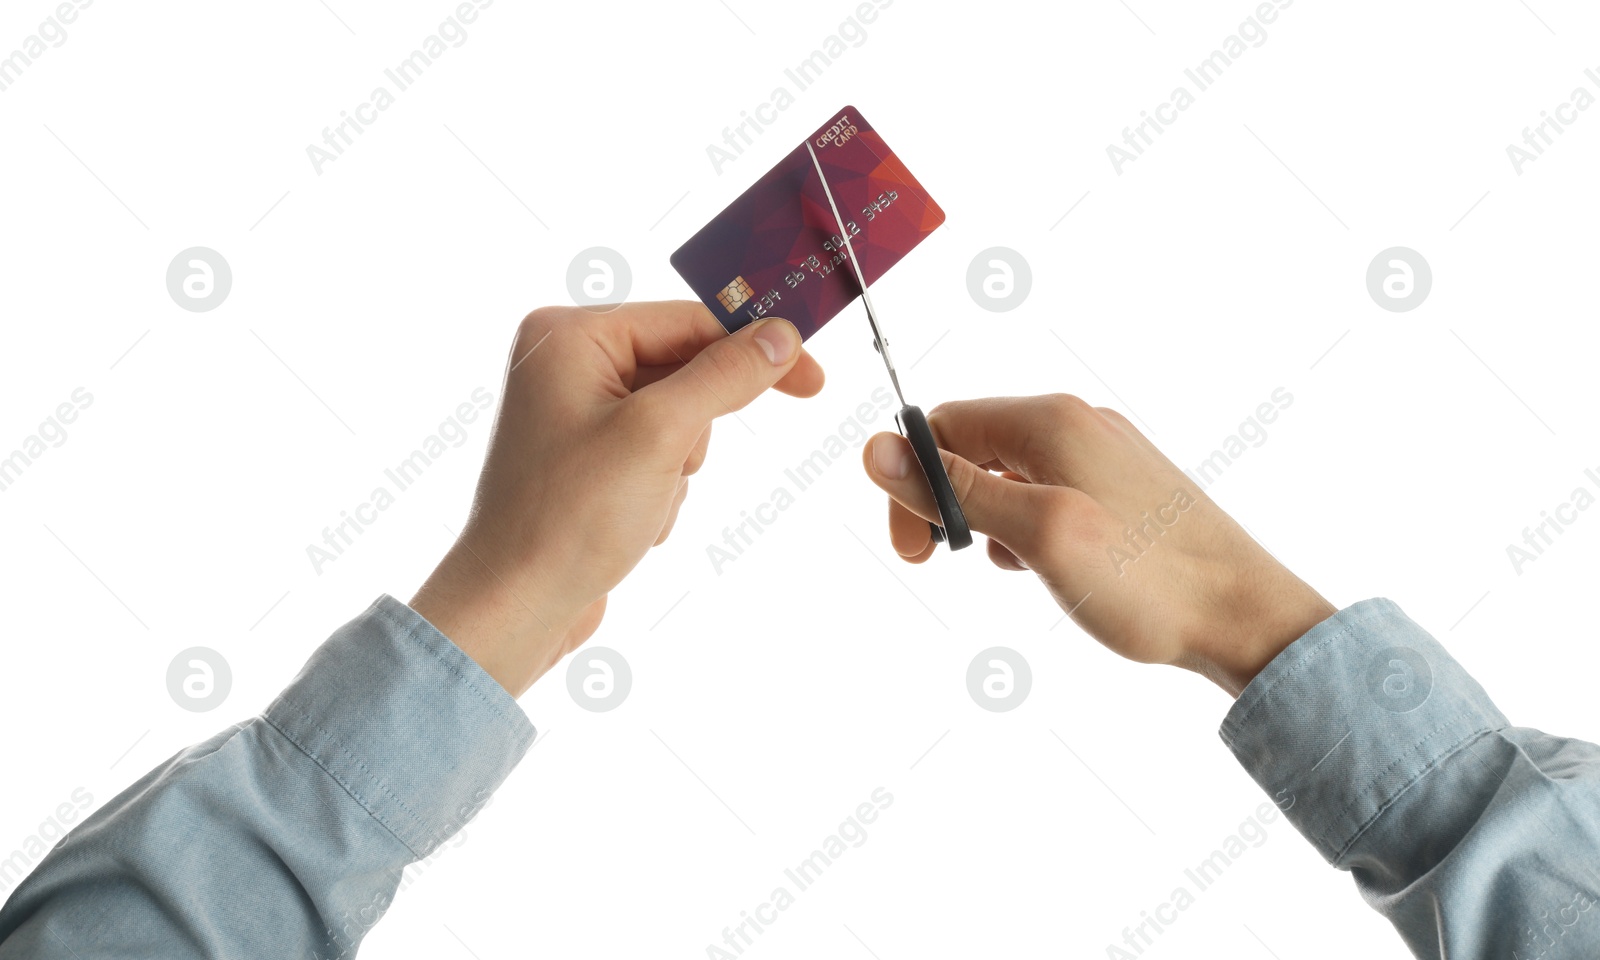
column 954, row 531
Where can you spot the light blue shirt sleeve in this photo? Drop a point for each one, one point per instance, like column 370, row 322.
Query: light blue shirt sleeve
column 284, row 836
column 1476, row 839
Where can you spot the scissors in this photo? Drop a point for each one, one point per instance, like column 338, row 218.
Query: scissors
column 913, row 425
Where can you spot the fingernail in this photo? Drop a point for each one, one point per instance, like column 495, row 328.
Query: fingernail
column 777, row 338
column 892, row 459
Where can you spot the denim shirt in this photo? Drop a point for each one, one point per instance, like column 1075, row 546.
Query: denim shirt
column 285, row 836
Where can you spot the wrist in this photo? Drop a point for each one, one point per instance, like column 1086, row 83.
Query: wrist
column 1240, row 642
column 512, row 627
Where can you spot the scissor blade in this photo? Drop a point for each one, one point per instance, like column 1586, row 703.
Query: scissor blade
column 861, row 278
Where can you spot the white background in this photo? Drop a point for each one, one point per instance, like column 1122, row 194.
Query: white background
column 1228, row 261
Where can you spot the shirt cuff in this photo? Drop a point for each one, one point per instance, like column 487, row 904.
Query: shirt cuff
column 409, row 725
column 1350, row 716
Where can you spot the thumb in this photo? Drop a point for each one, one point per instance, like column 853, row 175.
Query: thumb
column 729, row 372
column 1010, row 511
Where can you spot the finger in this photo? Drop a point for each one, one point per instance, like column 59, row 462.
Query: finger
column 697, row 456
column 1014, row 513
column 725, row 376
column 909, row 534
column 672, row 515
column 805, row 380
column 1003, row 557
column 670, row 333
column 632, row 334
column 1041, row 438
column 643, row 376
column 667, row 331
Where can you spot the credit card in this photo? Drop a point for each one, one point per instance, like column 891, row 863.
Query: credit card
column 776, row 250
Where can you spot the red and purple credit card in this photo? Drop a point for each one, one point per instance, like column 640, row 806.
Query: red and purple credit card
column 776, row 250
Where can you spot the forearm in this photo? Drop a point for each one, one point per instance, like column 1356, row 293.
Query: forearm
column 1474, row 838
column 285, row 835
